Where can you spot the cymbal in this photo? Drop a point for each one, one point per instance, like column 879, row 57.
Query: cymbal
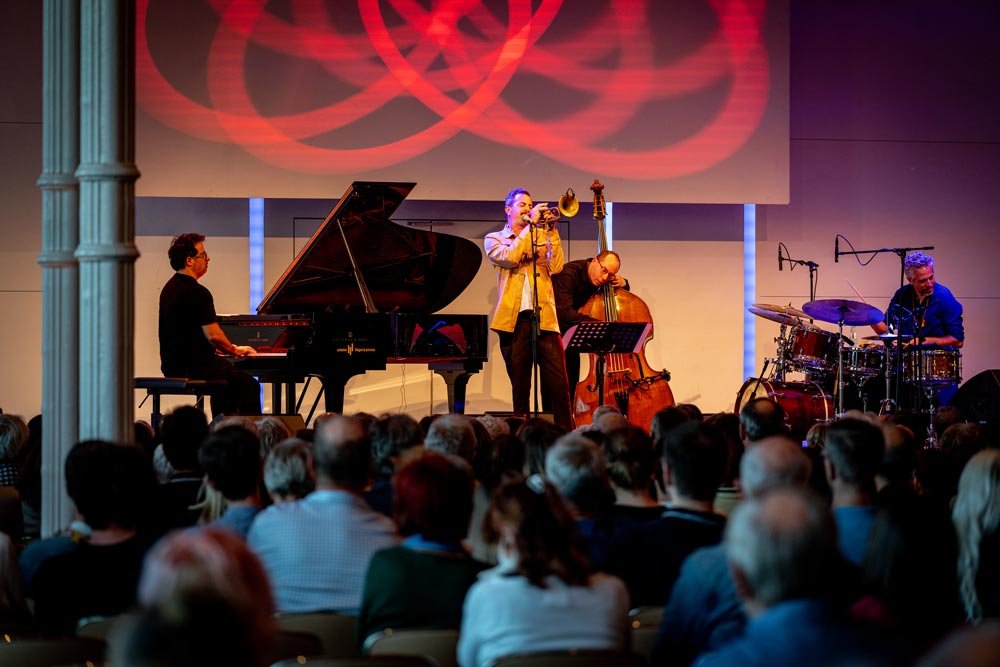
column 784, row 310
column 776, row 317
column 889, row 336
column 852, row 313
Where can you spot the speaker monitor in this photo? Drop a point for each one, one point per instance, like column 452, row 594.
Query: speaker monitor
column 978, row 398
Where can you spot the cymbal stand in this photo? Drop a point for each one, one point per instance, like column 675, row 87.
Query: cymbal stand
column 840, row 365
column 932, row 442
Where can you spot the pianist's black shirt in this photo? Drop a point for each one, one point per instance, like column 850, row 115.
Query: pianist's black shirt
column 185, row 306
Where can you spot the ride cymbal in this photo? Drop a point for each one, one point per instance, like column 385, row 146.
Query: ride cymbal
column 851, row 313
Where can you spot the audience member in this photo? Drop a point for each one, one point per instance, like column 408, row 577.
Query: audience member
column 392, row 436
column 704, row 611
column 911, row 539
column 29, row 481
column 13, row 436
column 538, row 435
column 230, row 458
column 271, row 431
column 14, row 614
column 968, row 647
column 977, row 523
column 495, row 426
column 111, row 485
column 316, row 550
column 422, row 582
column 182, row 432
column 216, row 562
column 648, row 556
column 729, row 494
column 854, row 450
column 759, row 418
column 288, row 471
column 894, row 480
column 575, row 467
column 541, row 597
column 815, row 448
column 631, row 463
column 781, row 549
column 945, row 416
column 452, row 434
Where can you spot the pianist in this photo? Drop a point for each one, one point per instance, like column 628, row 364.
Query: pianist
column 511, row 250
column 190, row 334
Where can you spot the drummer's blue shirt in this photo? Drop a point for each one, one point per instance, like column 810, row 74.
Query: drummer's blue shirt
column 940, row 315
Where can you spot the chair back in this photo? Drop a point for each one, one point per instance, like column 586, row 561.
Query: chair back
column 438, row 645
column 644, row 625
column 295, row 645
column 337, row 632
column 370, row 661
column 51, row 652
column 572, row 658
column 101, row 627
column 646, row 616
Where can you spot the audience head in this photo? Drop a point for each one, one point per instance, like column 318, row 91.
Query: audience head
column 182, row 432
column 609, row 421
column 224, row 421
column 495, row 426
column 760, row 418
column 630, row 459
column 432, row 498
column 602, row 410
column 977, row 517
column 110, row 484
column 342, row 453
column 535, row 532
column 945, row 416
column 230, row 458
column 694, row 455
column 728, row 424
column 665, row 420
column 781, row 546
column 452, row 434
column 504, row 461
column 774, row 462
column 288, row 471
column 900, row 456
column 391, row 436
column 214, row 562
column 538, row 435
column 962, row 441
column 854, row 449
column 575, row 467
column 13, row 435
column 271, row 431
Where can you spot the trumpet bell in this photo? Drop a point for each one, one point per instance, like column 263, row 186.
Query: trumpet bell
column 569, row 205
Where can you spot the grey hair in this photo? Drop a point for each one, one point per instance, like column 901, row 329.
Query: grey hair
column 288, row 469
column 13, row 435
column 914, row 261
column 575, row 466
column 784, row 543
column 773, row 462
column 271, row 431
column 451, row 434
column 976, row 515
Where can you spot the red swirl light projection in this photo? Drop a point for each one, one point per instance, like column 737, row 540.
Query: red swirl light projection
column 458, row 61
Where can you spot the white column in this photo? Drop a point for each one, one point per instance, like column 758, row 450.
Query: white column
column 107, row 251
column 60, row 234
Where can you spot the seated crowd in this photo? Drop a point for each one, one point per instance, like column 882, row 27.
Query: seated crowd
column 854, row 546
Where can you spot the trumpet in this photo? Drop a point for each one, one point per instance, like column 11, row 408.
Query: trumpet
column 567, row 207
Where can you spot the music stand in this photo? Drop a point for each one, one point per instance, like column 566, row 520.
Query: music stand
column 604, row 338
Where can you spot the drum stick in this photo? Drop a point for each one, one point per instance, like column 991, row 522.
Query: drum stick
column 863, row 299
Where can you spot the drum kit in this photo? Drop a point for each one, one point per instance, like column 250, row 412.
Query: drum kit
column 831, row 362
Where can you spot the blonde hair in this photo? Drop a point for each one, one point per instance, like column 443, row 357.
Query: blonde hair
column 976, row 515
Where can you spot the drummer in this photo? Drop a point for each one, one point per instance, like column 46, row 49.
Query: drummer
column 923, row 309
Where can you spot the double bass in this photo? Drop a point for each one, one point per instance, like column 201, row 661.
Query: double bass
column 630, row 384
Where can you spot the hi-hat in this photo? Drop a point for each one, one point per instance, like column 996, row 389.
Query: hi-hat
column 780, row 318
column 851, row 313
column 782, row 310
column 889, row 336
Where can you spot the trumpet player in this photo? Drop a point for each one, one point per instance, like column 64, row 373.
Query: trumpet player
column 529, row 247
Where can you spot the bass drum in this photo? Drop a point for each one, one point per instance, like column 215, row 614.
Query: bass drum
column 804, row 403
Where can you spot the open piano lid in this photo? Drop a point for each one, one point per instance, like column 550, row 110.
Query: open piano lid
column 409, row 270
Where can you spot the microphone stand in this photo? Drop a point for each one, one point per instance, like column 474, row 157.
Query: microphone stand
column 901, row 252
column 536, row 319
column 813, row 266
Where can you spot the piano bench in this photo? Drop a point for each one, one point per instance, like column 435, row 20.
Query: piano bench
column 161, row 386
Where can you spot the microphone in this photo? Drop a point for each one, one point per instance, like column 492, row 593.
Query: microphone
column 526, row 218
column 780, row 263
column 836, row 249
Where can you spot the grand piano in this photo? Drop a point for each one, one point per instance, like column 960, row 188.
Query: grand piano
column 363, row 293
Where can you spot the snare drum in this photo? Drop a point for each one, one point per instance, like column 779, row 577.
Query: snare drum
column 865, row 361
column 804, row 403
column 813, row 348
column 932, row 367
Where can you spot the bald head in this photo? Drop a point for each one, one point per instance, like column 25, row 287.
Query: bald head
column 342, row 453
column 773, row 462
